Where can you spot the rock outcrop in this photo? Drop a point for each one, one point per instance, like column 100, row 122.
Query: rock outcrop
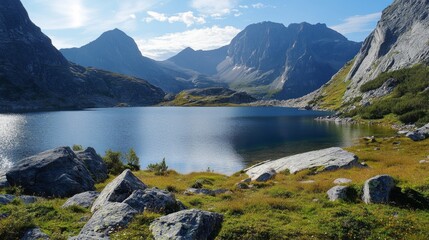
column 187, row 225
column 34, row 75
column 53, row 173
column 106, row 220
column 321, row 160
column 400, row 40
column 118, row 190
column 94, row 163
column 35, row 234
column 153, row 200
column 85, row 200
column 377, row 189
column 420, row 134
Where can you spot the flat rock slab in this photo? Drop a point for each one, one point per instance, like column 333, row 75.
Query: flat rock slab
column 53, row 173
column 187, row 225
column 119, row 189
column 325, row 160
column 85, row 200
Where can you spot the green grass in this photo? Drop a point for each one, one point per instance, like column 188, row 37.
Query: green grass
column 284, row 208
column 332, row 93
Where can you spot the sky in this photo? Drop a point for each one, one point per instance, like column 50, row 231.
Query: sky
column 162, row 28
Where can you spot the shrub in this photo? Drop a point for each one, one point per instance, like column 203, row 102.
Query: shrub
column 160, row 169
column 133, row 161
column 113, row 162
column 77, row 148
column 412, row 117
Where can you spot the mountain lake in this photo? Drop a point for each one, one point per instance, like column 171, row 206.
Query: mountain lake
column 224, row 139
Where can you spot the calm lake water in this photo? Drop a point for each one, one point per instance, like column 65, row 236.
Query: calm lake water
column 191, row 139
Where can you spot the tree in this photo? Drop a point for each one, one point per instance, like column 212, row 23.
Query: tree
column 133, row 160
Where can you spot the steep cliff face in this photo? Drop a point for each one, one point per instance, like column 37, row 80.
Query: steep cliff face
column 117, row 52
column 400, row 40
column 35, row 75
column 269, row 59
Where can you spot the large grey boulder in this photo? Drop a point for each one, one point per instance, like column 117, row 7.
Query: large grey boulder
column 420, row 134
column 119, row 189
column 339, row 193
column 94, row 163
column 153, row 200
column 187, row 225
column 322, row 160
column 34, row 234
column 54, row 173
column 106, row 220
column 377, row 189
column 85, row 200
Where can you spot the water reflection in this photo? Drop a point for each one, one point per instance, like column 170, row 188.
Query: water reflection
column 191, row 139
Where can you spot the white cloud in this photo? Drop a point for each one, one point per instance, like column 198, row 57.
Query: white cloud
column 165, row 46
column 258, row 5
column 357, row 24
column 214, row 8
column 187, row 18
column 68, row 14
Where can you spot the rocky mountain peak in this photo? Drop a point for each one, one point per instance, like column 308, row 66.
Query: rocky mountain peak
column 400, row 40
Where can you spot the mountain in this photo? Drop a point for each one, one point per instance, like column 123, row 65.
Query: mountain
column 390, row 74
column 400, row 40
column 269, row 59
column 35, row 75
column 201, row 61
column 117, row 52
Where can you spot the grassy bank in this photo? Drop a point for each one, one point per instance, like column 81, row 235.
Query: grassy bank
column 289, row 207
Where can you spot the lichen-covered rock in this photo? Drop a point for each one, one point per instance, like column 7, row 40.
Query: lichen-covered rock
column 53, row 173
column 339, row 193
column 94, row 163
column 107, row 219
column 420, row 134
column 153, row 200
column 377, row 189
column 119, row 189
column 187, row 225
column 85, row 200
column 34, row 234
column 322, row 160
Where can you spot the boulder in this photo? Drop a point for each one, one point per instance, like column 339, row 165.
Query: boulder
column 187, row 225
column 104, row 221
column 340, row 181
column 339, row 193
column 322, row 160
column 94, row 163
column 377, row 189
column 34, row 234
column 54, row 173
column 264, row 176
column 119, row 189
column 420, row 134
column 153, row 200
column 85, row 199
column 6, row 199
column 3, row 181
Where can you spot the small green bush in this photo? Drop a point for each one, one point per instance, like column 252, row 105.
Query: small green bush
column 160, row 169
column 113, row 162
column 133, row 161
column 77, row 148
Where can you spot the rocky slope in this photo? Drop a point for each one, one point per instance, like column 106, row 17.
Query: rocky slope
column 34, row 75
column 400, row 40
column 117, row 52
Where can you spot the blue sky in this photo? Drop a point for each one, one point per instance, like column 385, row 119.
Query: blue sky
column 162, row 28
